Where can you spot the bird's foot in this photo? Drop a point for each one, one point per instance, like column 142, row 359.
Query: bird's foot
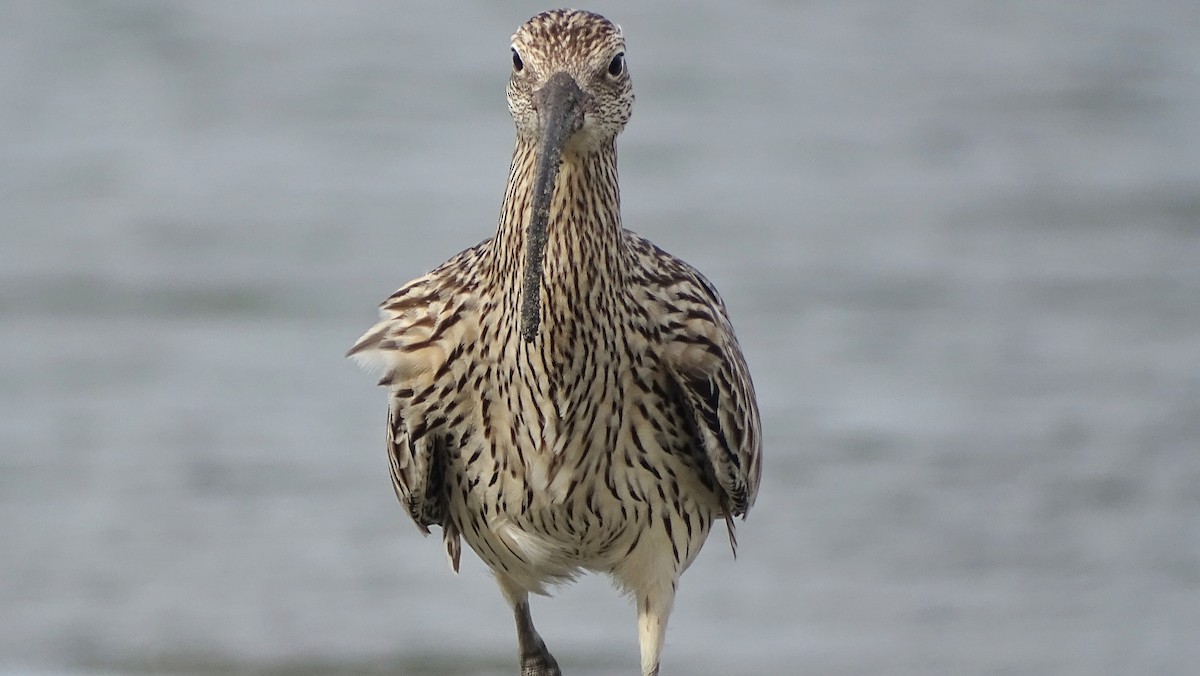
column 539, row 664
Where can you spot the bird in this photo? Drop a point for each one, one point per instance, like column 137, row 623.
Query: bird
column 565, row 396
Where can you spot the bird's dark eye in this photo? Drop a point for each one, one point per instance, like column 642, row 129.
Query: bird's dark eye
column 617, row 64
column 518, row 64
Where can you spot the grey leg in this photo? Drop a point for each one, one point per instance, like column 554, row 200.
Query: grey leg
column 536, row 660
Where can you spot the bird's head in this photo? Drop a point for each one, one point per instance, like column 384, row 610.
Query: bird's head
column 569, row 82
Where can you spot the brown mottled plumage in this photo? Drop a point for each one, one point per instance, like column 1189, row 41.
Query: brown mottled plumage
column 566, row 396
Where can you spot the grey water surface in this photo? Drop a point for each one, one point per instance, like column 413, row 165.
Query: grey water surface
column 960, row 242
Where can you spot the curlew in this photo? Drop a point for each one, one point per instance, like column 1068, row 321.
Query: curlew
column 566, row 396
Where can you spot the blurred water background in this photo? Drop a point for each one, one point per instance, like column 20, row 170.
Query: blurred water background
column 960, row 242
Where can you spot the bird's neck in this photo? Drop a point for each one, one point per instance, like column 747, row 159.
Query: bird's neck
column 584, row 265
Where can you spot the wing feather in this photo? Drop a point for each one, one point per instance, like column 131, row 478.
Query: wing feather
column 420, row 331
column 706, row 362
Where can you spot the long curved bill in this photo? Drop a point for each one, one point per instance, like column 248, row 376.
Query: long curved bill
column 560, row 114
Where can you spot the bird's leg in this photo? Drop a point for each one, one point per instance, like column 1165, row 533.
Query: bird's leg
column 654, row 607
column 536, row 660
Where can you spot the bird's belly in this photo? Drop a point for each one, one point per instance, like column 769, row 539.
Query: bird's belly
column 542, row 517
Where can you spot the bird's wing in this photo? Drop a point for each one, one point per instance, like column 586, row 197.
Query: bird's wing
column 703, row 356
column 423, row 330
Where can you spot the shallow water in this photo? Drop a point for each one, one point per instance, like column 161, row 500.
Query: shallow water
column 961, row 246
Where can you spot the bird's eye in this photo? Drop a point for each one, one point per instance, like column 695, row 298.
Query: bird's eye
column 518, row 64
column 617, row 64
